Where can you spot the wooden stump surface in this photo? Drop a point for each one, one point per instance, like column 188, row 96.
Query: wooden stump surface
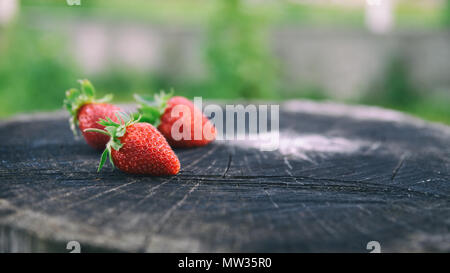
column 342, row 176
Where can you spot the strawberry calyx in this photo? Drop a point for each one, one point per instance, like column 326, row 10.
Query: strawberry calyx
column 76, row 98
column 151, row 109
column 114, row 130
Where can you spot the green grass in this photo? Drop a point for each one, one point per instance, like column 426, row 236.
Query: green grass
column 412, row 15
column 407, row 13
column 434, row 109
column 33, row 70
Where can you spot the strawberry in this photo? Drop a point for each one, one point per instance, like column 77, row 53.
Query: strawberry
column 85, row 111
column 136, row 147
column 175, row 119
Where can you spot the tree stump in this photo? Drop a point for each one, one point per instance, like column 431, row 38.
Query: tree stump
column 343, row 176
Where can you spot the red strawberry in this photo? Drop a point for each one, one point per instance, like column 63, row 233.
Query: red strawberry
column 177, row 114
column 85, row 112
column 137, row 147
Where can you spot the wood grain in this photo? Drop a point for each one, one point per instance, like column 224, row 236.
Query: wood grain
column 342, row 176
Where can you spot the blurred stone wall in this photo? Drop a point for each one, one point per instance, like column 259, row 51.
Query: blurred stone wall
column 342, row 62
column 347, row 61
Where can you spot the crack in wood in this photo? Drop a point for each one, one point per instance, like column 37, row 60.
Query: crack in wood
column 212, row 150
column 271, row 200
column 101, row 194
column 230, row 158
column 398, row 167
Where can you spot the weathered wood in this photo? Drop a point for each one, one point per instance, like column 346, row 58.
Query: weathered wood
column 343, row 176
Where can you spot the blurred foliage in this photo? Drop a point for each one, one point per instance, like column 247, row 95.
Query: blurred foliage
column 446, row 13
column 395, row 87
column 416, row 14
column 408, row 13
column 395, row 90
column 33, row 70
column 239, row 63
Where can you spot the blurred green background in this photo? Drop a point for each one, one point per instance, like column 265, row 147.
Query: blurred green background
column 395, row 54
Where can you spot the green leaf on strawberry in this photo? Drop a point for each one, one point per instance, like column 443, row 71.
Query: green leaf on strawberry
column 76, row 98
column 151, row 108
column 114, row 130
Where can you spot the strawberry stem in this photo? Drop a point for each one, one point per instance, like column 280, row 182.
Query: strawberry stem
column 96, row 130
column 76, row 98
column 114, row 130
column 151, row 109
